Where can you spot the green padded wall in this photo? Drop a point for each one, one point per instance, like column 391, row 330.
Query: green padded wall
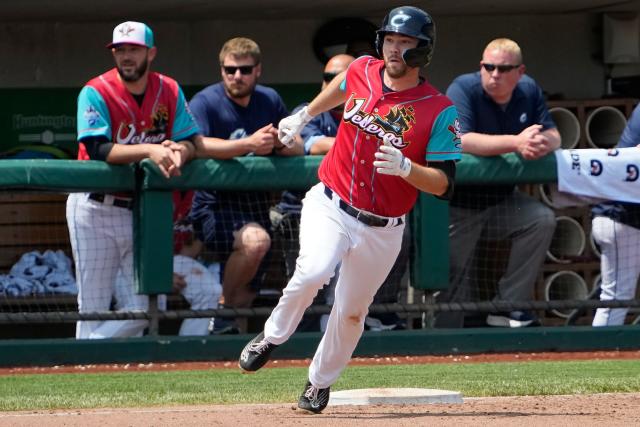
column 66, row 175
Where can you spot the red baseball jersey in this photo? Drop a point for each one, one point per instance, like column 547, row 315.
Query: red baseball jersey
column 421, row 122
column 106, row 108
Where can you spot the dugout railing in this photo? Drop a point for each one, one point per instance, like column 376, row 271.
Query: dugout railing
column 153, row 223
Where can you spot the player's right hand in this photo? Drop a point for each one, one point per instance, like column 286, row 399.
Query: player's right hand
column 290, row 126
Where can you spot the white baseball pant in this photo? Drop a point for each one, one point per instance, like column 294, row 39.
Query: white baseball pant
column 619, row 266
column 328, row 235
column 101, row 240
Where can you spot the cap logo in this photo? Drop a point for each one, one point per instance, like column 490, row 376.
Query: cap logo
column 125, row 30
column 132, row 32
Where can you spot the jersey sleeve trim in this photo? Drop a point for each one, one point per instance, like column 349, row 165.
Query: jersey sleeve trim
column 445, row 143
column 184, row 125
column 93, row 115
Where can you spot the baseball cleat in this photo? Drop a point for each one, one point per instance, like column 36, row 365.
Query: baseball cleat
column 314, row 399
column 256, row 353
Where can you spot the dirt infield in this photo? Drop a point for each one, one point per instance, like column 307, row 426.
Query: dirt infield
column 588, row 410
column 580, row 410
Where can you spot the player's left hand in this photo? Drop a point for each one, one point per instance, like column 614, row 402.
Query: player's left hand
column 181, row 152
column 391, row 161
column 162, row 155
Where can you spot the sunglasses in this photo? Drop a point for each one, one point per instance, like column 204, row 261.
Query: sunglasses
column 501, row 68
column 327, row 77
column 244, row 69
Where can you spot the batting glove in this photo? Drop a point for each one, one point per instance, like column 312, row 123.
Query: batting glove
column 392, row 162
column 290, row 126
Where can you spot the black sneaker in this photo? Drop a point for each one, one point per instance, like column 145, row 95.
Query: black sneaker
column 314, row 399
column 256, row 353
column 513, row 319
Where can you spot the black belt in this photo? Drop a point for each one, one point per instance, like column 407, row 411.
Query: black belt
column 120, row 203
column 362, row 216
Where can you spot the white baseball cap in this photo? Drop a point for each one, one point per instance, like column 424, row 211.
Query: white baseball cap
column 132, row 32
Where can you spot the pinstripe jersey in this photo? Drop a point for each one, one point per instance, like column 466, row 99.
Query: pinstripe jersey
column 421, row 122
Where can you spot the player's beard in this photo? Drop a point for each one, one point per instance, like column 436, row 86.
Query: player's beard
column 396, row 70
column 136, row 74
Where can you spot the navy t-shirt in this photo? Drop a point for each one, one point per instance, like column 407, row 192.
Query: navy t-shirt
column 624, row 212
column 218, row 116
column 479, row 113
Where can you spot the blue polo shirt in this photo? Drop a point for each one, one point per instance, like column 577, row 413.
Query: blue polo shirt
column 479, row 113
column 624, row 212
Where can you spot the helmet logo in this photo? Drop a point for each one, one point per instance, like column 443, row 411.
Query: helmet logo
column 411, row 22
column 399, row 19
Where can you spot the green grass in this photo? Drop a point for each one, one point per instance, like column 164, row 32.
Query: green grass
column 226, row 386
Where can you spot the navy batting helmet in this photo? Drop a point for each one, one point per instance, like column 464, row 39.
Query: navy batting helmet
column 413, row 22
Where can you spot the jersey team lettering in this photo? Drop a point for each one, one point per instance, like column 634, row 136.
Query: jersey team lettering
column 155, row 134
column 390, row 128
column 127, row 135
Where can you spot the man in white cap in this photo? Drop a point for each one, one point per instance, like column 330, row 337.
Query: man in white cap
column 125, row 115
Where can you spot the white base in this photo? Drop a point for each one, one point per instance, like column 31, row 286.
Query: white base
column 372, row 396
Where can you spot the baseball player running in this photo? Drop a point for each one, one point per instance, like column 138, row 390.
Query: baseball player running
column 124, row 115
column 398, row 135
